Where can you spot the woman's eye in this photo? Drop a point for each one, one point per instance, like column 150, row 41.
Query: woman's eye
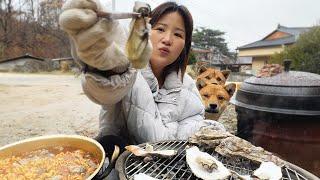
column 160, row 29
column 178, row 35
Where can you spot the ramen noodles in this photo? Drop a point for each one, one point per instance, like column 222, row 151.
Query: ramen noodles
column 58, row 163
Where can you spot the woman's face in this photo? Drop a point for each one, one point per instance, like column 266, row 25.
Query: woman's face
column 168, row 39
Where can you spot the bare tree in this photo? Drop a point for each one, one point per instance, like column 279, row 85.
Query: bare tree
column 6, row 15
column 49, row 12
column 30, row 26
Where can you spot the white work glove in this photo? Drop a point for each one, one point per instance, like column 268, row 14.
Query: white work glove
column 98, row 42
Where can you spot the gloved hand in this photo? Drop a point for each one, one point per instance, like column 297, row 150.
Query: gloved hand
column 108, row 143
column 99, row 43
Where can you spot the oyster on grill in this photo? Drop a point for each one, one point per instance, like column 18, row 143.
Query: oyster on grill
column 268, row 170
column 236, row 175
column 235, row 146
column 149, row 152
column 142, row 176
column 209, row 137
column 205, row 166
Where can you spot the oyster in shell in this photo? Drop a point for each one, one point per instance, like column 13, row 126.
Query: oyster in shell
column 138, row 47
column 268, row 170
column 138, row 151
column 209, row 137
column 235, row 146
column 205, row 166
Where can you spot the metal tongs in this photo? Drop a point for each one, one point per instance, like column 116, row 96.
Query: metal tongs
column 120, row 15
column 140, row 9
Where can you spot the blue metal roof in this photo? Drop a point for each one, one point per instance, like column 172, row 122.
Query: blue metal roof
column 275, row 42
column 296, row 31
column 293, row 32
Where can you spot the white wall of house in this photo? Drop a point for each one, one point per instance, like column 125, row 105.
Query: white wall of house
column 260, row 51
column 258, row 63
column 10, row 65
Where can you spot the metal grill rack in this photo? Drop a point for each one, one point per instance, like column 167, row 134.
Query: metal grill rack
column 176, row 167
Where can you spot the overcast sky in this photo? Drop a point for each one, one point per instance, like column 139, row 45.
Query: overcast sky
column 243, row 21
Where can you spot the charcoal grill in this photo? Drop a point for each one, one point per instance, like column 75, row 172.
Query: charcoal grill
column 176, row 167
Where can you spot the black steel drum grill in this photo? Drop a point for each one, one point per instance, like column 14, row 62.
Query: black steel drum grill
column 177, row 168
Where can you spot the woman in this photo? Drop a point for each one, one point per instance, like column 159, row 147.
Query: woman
column 159, row 102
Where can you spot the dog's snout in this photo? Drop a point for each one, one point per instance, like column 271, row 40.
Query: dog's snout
column 213, row 106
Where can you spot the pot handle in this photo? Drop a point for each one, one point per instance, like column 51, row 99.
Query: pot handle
column 106, row 171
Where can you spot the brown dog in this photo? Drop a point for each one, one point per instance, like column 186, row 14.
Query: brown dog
column 215, row 98
column 215, row 94
column 211, row 76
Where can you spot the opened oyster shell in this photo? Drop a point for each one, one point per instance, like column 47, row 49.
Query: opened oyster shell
column 268, row 170
column 205, row 166
column 138, row 151
column 236, row 175
column 142, row 176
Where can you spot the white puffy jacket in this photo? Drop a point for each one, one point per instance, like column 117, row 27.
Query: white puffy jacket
column 146, row 113
column 133, row 106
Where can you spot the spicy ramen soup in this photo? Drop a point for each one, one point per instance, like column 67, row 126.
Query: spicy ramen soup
column 56, row 163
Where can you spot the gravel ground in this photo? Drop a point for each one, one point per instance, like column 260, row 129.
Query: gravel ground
column 42, row 104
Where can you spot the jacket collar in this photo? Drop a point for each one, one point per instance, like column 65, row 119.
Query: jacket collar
column 150, row 78
column 172, row 80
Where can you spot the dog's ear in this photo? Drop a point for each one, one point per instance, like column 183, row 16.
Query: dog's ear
column 202, row 69
column 200, row 84
column 226, row 73
column 230, row 88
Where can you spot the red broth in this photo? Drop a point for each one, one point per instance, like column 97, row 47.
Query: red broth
column 55, row 163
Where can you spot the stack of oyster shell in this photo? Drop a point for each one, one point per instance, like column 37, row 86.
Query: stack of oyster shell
column 208, row 167
column 205, row 166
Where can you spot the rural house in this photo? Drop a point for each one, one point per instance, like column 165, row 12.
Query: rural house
column 260, row 51
column 25, row 63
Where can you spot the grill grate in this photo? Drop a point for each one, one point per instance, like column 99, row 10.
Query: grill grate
column 177, row 168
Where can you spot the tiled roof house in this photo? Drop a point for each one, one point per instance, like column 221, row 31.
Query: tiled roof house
column 260, row 51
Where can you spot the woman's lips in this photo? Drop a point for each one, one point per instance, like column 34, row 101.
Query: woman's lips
column 164, row 51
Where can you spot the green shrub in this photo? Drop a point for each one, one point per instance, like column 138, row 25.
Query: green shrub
column 305, row 53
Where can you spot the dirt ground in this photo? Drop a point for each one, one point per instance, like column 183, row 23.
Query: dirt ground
column 42, row 104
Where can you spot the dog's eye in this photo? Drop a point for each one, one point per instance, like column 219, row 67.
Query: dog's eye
column 206, row 95
column 207, row 77
column 220, row 97
column 218, row 79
